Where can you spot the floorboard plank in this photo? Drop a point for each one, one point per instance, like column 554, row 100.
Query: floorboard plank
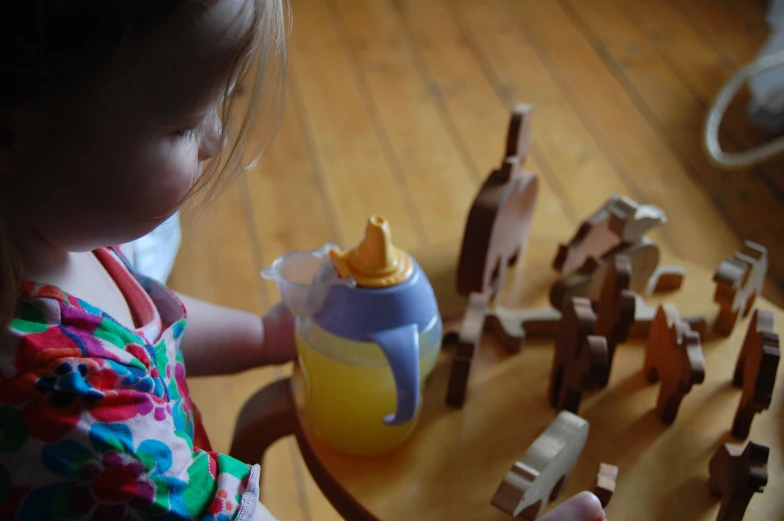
column 742, row 197
column 572, row 154
column 479, row 116
column 359, row 178
column 441, row 184
column 626, row 135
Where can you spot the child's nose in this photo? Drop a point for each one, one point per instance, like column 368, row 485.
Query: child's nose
column 212, row 141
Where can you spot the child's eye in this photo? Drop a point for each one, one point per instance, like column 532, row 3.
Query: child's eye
column 186, row 133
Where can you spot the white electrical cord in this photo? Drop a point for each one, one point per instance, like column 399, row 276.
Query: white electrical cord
column 711, row 145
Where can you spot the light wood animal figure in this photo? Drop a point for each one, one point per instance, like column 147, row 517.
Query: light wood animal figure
column 739, row 280
column 615, row 309
column 755, row 371
column 604, row 486
column 580, row 360
column 539, row 476
column 736, row 474
column 673, row 357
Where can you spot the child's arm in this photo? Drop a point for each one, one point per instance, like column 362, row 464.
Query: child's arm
column 222, row 340
column 580, row 507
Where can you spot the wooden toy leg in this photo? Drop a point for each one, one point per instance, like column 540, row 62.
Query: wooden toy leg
column 467, row 342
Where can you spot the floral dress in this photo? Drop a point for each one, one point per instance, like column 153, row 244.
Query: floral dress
column 96, row 421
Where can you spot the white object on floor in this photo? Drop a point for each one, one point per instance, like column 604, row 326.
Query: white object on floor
column 766, row 109
column 153, row 255
column 775, row 14
column 765, row 76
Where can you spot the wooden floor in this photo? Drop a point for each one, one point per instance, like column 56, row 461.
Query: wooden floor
column 400, row 107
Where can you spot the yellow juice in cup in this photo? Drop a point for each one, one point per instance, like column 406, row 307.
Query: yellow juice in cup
column 349, row 388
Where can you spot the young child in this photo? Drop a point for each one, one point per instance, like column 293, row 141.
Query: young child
column 108, row 110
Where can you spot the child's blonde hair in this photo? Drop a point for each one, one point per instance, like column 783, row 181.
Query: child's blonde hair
column 47, row 42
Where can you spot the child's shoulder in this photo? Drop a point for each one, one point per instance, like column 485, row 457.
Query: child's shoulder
column 51, row 324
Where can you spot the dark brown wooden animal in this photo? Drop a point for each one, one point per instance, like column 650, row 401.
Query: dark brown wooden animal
column 497, row 228
column 580, row 359
column 466, row 342
column 736, row 474
column 615, row 309
column 739, row 281
column 755, row 371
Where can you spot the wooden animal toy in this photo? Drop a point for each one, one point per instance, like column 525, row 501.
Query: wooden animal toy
column 494, row 238
column 512, row 326
column 580, row 360
column 673, row 357
column 739, row 280
column 467, row 342
column 736, row 474
column 620, row 221
column 588, row 279
column 604, row 486
column 539, row 476
column 755, row 371
column 644, row 315
column 496, row 231
column 615, row 309
column 665, row 278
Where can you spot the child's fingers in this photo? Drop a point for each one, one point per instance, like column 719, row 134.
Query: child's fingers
column 279, row 338
column 581, row 507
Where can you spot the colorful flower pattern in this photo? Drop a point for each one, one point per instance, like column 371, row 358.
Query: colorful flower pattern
column 102, row 422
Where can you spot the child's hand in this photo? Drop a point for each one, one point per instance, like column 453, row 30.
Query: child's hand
column 580, row 507
column 279, row 345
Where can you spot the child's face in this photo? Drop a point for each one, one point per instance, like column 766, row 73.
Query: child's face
column 106, row 160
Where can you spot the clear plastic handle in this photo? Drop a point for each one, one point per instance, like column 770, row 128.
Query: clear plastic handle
column 304, row 279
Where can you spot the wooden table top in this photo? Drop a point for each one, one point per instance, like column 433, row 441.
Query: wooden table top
column 455, row 460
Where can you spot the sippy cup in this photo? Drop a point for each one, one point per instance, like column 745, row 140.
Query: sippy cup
column 368, row 334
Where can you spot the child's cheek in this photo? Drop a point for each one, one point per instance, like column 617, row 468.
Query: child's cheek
column 175, row 181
